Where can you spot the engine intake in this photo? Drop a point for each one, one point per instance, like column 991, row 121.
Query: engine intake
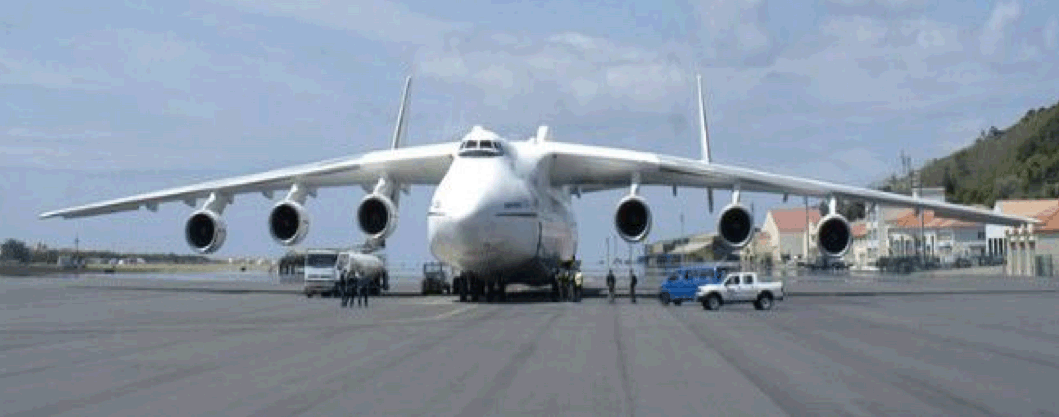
column 632, row 218
column 377, row 216
column 288, row 223
column 205, row 231
column 735, row 225
column 834, row 235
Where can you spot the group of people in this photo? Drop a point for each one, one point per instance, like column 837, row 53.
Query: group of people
column 612, row 282
column 353, row 286
column 571, row 281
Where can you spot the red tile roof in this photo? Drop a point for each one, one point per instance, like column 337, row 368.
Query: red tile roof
column 911, row 220
column 1049, row 220
column 793, row 220
column 859, row 229
column 1025, row 207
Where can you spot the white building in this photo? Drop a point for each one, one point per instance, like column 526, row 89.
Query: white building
column 996, row 235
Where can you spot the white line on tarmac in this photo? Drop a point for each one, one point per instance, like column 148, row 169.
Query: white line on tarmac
column 444, row 315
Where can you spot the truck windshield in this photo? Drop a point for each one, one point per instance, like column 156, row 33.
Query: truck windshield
column 321, row 260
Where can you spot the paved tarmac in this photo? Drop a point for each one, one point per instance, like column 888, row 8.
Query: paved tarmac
column 102, row 350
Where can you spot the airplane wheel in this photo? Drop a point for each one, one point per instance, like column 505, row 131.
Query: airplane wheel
column 664, row 298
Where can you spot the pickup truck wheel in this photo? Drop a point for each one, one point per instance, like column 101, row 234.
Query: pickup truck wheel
column 664, row 298
column 712, row 302
column 764, row 302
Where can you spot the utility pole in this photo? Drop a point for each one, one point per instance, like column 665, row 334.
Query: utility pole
column 77, row 251
column 607, row 263
column 682, row 224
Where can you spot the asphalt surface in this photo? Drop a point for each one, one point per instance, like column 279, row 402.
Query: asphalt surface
column 75, row 349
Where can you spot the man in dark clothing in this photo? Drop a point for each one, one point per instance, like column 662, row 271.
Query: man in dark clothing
column 365, row 287
column 348, row 287
column 611, row 282
column 632, row 286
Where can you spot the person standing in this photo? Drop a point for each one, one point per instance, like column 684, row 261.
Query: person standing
column 611, row 282
column 364, row 288
column 579, row 280
column 632, row 286
column 348, row 288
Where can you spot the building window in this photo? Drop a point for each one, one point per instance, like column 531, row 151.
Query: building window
column 981, row 235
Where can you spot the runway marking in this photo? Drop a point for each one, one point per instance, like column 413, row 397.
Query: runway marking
column 444, row 315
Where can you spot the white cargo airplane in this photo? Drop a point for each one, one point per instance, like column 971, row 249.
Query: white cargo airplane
column 502, row 209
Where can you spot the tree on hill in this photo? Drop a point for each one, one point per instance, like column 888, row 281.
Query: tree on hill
column 1021, row 161
column 15, row 250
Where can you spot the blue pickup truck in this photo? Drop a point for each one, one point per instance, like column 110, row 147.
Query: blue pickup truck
column 681, row 283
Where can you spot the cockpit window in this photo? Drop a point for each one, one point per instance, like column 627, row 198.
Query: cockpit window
column 481, row 149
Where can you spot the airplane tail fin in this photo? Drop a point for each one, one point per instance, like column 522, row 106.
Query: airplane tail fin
column 704, row 128
column 399, row 128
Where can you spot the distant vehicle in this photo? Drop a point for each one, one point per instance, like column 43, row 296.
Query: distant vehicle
column 366, row 265
column 435, row 280
column 321, row 277
column 740, row 287
column 681, row 283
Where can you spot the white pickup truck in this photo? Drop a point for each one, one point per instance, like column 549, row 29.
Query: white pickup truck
column 740, row 287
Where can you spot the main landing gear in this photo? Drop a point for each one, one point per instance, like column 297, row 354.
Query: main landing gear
column 474, row 288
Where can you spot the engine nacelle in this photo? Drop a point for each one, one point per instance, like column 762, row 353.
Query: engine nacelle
column 632, row 218
column 377, row 216
column 834, row 235
column 288, row 222
column 735, row 226
column 205, row 231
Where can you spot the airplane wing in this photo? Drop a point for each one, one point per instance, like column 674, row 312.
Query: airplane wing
column 424, row 164
column 592, row 168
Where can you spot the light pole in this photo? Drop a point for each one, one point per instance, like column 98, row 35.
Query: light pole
column 607, row 259
column 77, row 250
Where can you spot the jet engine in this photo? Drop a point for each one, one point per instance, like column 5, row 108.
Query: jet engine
column 288, row 222
column 632, row 218
column 205, row 231
column 735, row 225
column 377, row 216
column 834, row 235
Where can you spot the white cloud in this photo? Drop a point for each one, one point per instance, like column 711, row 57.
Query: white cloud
column 1051, row 33
column 374, row 19
column 886, row 4
column 191, row 108
column 881, row 64
column 25, row 70
column 1003, row 15
column 733, row 30
column 53, row 133
column 537, row 73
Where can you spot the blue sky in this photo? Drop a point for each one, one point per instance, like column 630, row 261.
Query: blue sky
column 114, row 98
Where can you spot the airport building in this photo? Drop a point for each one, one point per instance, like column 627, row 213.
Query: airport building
column 996, row 235
column 791, row 233
column 1032, row 250
column 933, row 236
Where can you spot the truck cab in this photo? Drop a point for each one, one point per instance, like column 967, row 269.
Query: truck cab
column 321, row 275
column 681, row 283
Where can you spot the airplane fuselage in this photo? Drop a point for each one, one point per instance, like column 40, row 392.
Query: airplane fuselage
column 496, row 215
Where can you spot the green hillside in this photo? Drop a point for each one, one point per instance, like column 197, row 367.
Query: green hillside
column 1021, row 161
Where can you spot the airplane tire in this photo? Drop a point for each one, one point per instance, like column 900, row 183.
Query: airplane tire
column 664, row 298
